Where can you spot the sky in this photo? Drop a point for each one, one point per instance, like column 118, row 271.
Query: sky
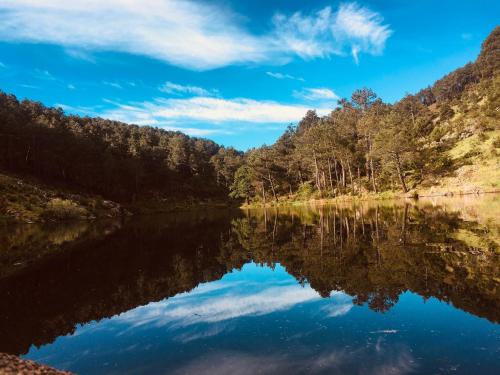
column 234, row 71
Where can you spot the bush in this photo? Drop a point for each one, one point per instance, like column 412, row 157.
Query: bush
column 483, row 136
column 446, row 112
column 64, row 209
column 305, row 190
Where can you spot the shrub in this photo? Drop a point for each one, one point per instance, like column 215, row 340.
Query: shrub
column 305, row 190
column 446, row 112
column 64, row 209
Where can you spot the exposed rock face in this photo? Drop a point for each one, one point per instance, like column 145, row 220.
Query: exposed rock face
column 11, row 364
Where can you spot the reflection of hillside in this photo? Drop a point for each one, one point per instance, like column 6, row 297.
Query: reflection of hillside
column 21, row 245
column 377, row 253
column 371, row 253
column 140, row 263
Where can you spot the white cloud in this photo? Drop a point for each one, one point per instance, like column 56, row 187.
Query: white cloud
column 321, row 93
column 190, row 34
column 207, row 109
column 174, row 88
column 360, row 28
column 326, row 32
column 81, row 110
column 2, row 65
column 284, row 76
column 339, row 304
column 71, row 87
column 196, row 132
column 307, row 36
column 185, row 310
column 184, row 33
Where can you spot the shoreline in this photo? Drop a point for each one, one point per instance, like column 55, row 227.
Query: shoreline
column 368, row 198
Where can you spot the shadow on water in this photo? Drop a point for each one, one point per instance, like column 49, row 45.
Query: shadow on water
column 57, row 277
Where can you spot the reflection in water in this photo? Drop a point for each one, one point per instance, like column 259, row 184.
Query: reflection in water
column 288, row 290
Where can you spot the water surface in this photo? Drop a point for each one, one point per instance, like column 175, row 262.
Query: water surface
column 380, row 288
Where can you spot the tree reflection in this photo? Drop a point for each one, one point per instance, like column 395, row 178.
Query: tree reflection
column 373, row 253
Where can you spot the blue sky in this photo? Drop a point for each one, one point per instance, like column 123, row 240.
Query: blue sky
column 237, row 72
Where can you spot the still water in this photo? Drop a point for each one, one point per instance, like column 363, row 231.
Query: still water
column 380, row 288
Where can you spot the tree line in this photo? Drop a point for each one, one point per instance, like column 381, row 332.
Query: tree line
column 119, row 161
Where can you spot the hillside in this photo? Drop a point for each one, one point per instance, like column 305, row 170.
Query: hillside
column 444, row 139
column 28, row 201
column 80, row 151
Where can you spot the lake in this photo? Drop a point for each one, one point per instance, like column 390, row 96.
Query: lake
column 367, row 288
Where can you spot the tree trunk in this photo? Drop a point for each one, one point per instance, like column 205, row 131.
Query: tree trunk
column 343, row 172
column 336, row 171
column 400, row 173
column 359, row 180
column 263, row 193
column 403, row 229
column 350, row 174
column 330, row 174
column 316, row 171
column 373, row 176
column 272, row 185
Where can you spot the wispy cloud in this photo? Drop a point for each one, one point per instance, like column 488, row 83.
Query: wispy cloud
column 186, row 33
column 71, row 87
column 28, row 86
column 321, row 93
column 2, row 65
column 352, row 27
column 112, row 84
column 80, row 110
column 208, row 109
column 190, row 34
column 284, row 76
column 361, row 29
column 43, row 74
column 174, row 88
column 333, row 310
column 184, row 312
column 80, row 53
column 197, row 132
column 394, row 359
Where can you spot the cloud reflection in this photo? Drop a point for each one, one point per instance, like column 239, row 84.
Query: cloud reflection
column 239, row 294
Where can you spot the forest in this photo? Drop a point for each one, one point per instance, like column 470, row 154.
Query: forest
column 363, row 146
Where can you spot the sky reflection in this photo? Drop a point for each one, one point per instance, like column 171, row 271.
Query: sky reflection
column 261, row 320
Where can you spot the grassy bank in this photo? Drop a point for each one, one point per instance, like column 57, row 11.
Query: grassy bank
column 25, row 200
column 28, row 201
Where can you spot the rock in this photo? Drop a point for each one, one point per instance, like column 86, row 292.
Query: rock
column 108, row 204
column 13, row 365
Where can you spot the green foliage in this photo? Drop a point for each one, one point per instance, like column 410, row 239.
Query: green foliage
column 305, row 190
column 242, row 185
